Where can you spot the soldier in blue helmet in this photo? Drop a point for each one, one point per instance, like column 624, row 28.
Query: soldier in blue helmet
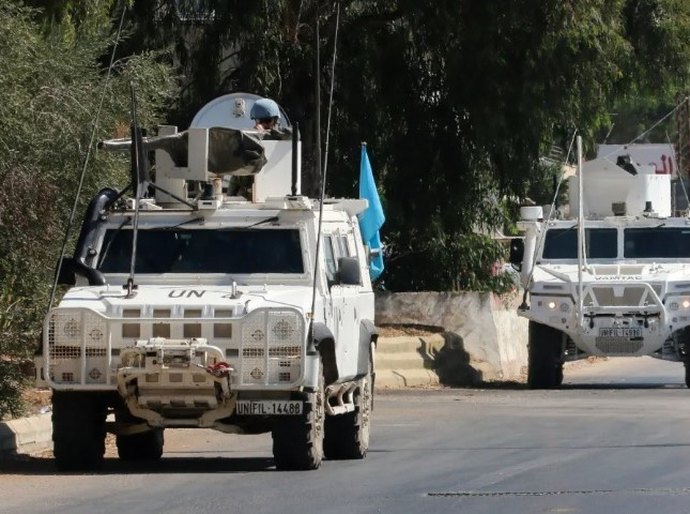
column 266, row 114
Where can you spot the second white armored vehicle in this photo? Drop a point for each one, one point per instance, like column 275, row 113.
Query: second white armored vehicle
column 612, row 282
column 195, row 308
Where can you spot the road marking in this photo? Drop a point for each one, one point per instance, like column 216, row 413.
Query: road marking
column 641, row 490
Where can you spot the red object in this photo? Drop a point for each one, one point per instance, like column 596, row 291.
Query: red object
column 219, row 369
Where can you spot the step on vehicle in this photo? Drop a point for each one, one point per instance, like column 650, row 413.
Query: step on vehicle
column 215, row 296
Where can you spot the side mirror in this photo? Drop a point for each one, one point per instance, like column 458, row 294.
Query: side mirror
column 348, row 271
column 372, row 253
column 67, row 277
column 517, row 252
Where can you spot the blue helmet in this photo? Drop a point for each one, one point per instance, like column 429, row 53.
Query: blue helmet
column 264, row 108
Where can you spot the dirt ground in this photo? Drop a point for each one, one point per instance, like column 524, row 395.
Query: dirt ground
column 36, row 401
column 407, row 330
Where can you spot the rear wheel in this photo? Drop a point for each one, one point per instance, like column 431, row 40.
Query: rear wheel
column 145, row 446
column 545, row 362
column 687, row 373
column 141, row 446
column 298, row 440
column 347, row 435
column 559, row 375
column 78, row 430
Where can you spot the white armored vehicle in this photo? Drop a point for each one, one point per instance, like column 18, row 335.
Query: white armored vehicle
column 611, row 279
column 193, row 308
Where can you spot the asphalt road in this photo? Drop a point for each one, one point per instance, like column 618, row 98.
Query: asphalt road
column 614, row 439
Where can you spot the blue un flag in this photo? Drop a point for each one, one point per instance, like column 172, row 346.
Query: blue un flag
column 371, row 220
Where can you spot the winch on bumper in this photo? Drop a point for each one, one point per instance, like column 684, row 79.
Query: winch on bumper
column 622, row 319
column 617, row 318
column 172, row 382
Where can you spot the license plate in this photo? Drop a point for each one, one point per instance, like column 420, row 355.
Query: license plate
column 620, row 333
column 268, row 408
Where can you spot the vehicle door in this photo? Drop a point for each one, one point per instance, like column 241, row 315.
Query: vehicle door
column 345, row 297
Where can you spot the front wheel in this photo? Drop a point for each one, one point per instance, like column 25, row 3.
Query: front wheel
column 298, row 440
column 78, row 430
column 545, row 363
column 347, row 435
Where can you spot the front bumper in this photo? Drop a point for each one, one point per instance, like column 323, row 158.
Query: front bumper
column 176, row 383
column 617, row 319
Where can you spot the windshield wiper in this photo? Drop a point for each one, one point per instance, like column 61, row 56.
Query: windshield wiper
column 267, row 220
column 172, row 227
column 564, row 231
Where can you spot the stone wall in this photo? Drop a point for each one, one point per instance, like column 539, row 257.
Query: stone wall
column 482, row 332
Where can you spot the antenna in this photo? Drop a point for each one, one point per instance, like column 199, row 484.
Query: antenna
column 139, row 184
column 295, row 150
column 310, row 348
column 580, row 230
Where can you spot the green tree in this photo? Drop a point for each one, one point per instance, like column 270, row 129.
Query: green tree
column 51, row 86
column 457, row 100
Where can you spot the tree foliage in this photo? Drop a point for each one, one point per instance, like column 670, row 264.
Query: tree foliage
column 457, row 100
column 52, row 83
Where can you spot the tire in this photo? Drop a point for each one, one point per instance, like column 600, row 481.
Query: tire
column 78, row 431
column 687, row 374
column 145, row 446
column 347, row 435
column 545, row 363
column 298, row 440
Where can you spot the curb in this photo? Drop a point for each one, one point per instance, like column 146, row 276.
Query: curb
column 25, row 435
column 387, row 379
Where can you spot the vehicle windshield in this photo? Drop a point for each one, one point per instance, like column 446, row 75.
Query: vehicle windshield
column 561, row 243
column 657, row 243
column 233, row 251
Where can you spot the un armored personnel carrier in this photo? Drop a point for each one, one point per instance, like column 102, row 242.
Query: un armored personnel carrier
column 190, row 307
column 612, row 278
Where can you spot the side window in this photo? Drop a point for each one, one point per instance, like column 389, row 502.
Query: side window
column 344, row 247
column 329, row 255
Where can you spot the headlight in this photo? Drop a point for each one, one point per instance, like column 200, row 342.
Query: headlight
column 553, row 304
column 273, row 327
column 96, row 335
column 77, row 346
column 283, row 329
column 679, row 303
column 77, row 327
column 272, row 347
column 72, row 328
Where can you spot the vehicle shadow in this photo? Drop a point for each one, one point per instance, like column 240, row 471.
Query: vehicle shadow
column 512, row 385
column 36, row 466
column 627, row 385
